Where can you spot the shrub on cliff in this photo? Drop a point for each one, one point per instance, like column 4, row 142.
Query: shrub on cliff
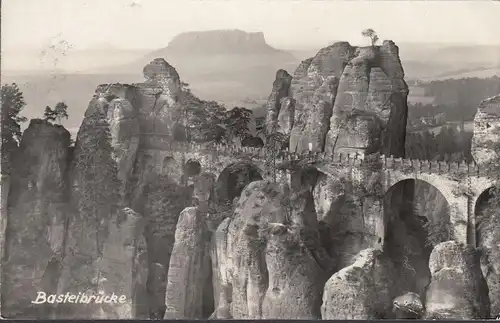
column 97, row 194
column 201, row 120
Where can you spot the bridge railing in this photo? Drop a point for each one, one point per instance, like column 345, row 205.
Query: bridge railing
column 338, row 159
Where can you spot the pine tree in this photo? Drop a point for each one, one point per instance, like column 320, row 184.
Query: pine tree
column 49, row 114
column 61, row 111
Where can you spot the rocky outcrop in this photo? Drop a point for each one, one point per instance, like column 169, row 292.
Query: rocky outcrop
column 295, row 278
column 286, row 116
column 124, row 129
column 458, row 289
column 361, row 291
column 348, row 99
column 189, row 268
column 280, row 90
column 408, row 306
column 4, row 193
column 94, row 200
column 118, row 269
column 486, row 131
column 36, row 221
column 488, row 237
column 370, row 110
column 262, row 252
column 162, row 200
column 314, row 88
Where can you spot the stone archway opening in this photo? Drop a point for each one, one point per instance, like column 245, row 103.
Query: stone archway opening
column 233, row 179
column 416, row 218
column 228, row 187
column 192, row 168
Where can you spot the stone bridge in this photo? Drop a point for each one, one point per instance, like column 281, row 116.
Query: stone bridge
column 460, row 183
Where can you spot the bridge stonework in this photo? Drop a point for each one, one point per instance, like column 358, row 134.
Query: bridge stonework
column 460, row 183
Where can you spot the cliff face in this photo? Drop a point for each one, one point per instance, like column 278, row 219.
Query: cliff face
column 36, row 220
column 262, row 254
column 486, row 131
column 350, row 99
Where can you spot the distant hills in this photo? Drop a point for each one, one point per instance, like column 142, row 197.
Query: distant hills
column 234, row 67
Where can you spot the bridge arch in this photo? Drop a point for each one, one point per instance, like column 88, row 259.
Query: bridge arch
column 232, row 180
column 453, row 191
column 416, row 217
column 192, row 168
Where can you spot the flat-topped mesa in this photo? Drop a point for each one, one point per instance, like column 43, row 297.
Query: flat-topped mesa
column 348, row 99
column 486, row 136
column 217, row 42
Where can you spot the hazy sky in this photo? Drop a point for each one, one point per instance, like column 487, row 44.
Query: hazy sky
column 37, row 24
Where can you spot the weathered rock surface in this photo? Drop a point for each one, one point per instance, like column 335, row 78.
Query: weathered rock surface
column 117, row 267
column 251, row 265
column 4, row 193
column 347, row 99
column 458, row 289
column 408, row 306
column 281, row 86
column 94, row 200
column 286, row 116
column 124, row 129
column 488, row 239
column 370, row 110
column 161, row 202
column 35, row 228
column 189, row 268
column 295, row 278
column 486, row 131
column 314, row 88
column 361, row 291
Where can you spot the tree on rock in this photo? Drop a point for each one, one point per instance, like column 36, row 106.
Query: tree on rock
column 201, row 120
column 371, row 34
column 49, row 114
column 237, row 122
column 12, row 105
column 58, row 113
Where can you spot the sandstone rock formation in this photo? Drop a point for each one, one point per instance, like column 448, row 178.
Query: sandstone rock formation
column 486, row 131
column 94, row 200
column 314, row 88
column 36, row 219
column 458, row 289
column 346, row 97
column 361, row 291
column 124, row 129
column 186, row 234
column 295, row 278
column 261, row 253
column 408, row 306
column 118, row 269
column 280, row 90
column 488, row 238
column 189, row 268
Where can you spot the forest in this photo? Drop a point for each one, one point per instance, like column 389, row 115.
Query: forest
column 456, row 99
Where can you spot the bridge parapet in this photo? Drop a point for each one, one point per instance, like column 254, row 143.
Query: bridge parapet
column 337, row 159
